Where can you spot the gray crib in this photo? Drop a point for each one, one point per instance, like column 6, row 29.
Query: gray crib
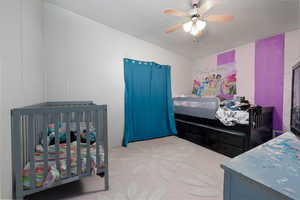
column 55, row 143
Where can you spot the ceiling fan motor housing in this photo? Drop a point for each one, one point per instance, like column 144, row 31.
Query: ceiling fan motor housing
column 195, row 2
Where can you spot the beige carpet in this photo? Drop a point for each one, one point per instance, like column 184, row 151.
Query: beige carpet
column 163, row 169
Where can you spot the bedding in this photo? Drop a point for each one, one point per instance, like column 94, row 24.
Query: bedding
column 53, row 172
column 229, row 112
column 196, row 106
column 63, row 136
column 232, row 117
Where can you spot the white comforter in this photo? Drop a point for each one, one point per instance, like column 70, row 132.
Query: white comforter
column 230, row 118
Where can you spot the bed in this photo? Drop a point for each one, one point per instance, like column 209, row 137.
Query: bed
column 196, row 121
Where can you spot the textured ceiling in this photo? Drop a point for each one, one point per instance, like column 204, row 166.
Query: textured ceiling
column 254, row 19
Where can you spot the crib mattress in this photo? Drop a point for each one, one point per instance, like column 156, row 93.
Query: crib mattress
column 196, row 106
column 53, row 173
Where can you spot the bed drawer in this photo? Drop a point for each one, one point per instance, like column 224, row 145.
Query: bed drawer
column 194, row 134
column 226, row 140
column 237, row 141
column 230, row 150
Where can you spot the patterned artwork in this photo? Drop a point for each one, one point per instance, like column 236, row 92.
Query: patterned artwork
column 219, row 81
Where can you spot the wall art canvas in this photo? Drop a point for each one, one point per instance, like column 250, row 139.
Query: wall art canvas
column 218, row 81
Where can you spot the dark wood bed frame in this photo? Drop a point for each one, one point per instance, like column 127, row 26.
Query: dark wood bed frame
column 228, row 140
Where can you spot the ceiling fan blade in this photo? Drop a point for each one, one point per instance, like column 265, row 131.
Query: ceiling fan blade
column 176, row 13
column 219, row 18
column 209, row 4
column 174, row 28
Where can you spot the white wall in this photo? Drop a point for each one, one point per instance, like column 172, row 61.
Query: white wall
column 84, row 61
column 292, row 57
column 245, row 63
column 246, row 70
column 21, row 72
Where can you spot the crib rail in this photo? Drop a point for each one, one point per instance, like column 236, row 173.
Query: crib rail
column 51, row 135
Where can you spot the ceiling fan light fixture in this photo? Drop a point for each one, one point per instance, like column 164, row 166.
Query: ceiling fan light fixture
column 200, row 25
column 194, row 30
column 187, row 27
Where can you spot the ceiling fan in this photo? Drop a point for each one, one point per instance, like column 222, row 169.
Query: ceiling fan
column 197, row 20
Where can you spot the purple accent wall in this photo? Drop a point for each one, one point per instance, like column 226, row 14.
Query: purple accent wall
column 227, row 57
column 269, row 75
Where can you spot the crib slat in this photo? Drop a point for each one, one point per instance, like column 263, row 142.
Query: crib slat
column 17, row 151
column 77, row 117
column 68, row 145
column 105, row 146
column 97, row 130
column 88, row 143
column 45, row 145
column 57, row 141
column 24, row 142
column 31, row 149
column 36, row 131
